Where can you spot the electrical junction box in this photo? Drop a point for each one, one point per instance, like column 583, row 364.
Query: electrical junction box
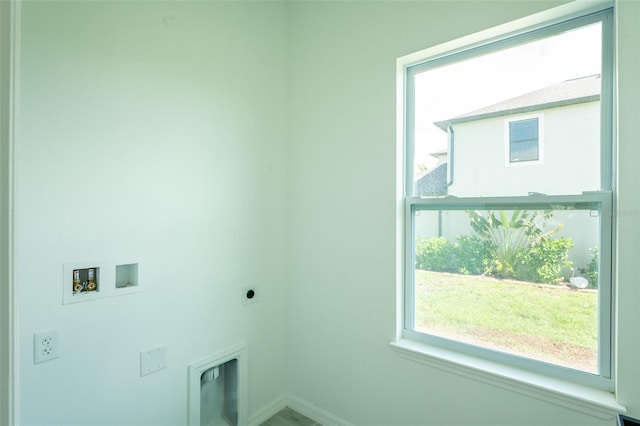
column 153, row 360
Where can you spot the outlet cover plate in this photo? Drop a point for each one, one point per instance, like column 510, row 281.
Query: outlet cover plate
column 46, row 346
column 153, row 360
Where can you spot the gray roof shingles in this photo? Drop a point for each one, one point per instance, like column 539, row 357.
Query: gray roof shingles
column 434, row 182
column 573, row 91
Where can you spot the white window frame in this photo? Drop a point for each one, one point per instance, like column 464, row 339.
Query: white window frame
column 600, row 200
column 594, row 395
column 507, row 141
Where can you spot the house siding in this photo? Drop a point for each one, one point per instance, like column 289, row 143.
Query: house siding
column 569, row 137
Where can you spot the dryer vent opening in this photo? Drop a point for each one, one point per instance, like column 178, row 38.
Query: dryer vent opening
column 219, row 395
column 218, row 389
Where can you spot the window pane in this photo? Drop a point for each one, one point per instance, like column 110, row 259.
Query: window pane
column 523, row 130
column 523, row 282
column 526, row 150
column 460, row 109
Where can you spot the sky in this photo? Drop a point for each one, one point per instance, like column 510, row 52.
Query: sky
column 465, row 86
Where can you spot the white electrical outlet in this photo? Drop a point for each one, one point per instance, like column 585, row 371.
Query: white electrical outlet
column 46, row 346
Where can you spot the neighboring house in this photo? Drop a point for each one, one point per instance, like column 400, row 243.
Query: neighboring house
column 545, row 141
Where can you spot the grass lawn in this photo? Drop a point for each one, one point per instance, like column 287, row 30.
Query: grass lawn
column 548, row 322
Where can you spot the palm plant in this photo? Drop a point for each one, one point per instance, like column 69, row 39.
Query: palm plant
column 510, row 235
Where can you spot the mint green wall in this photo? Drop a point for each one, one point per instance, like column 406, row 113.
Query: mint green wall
column 235, row 143
column 5, row 227
column 155, row 131
column 342, row 217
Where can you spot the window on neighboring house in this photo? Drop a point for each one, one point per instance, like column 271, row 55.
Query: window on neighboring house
column 523, row 140
column 514, row 264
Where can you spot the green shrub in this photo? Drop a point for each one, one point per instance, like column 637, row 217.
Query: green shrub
column 591, row 271
column 435, row 254
column 544, row 261
column 473, row 255
column 469, row 255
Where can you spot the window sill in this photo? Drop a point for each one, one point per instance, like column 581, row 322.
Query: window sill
column 595, row 402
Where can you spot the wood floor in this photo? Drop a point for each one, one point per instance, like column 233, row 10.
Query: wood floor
column 288, row 417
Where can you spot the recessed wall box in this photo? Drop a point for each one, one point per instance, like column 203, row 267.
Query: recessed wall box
column 127, row 275
column 85, row 280
column 91, row 280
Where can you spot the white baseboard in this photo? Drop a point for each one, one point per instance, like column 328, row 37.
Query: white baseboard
column 269, row 410
column 315, row 413
column 301, row 406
